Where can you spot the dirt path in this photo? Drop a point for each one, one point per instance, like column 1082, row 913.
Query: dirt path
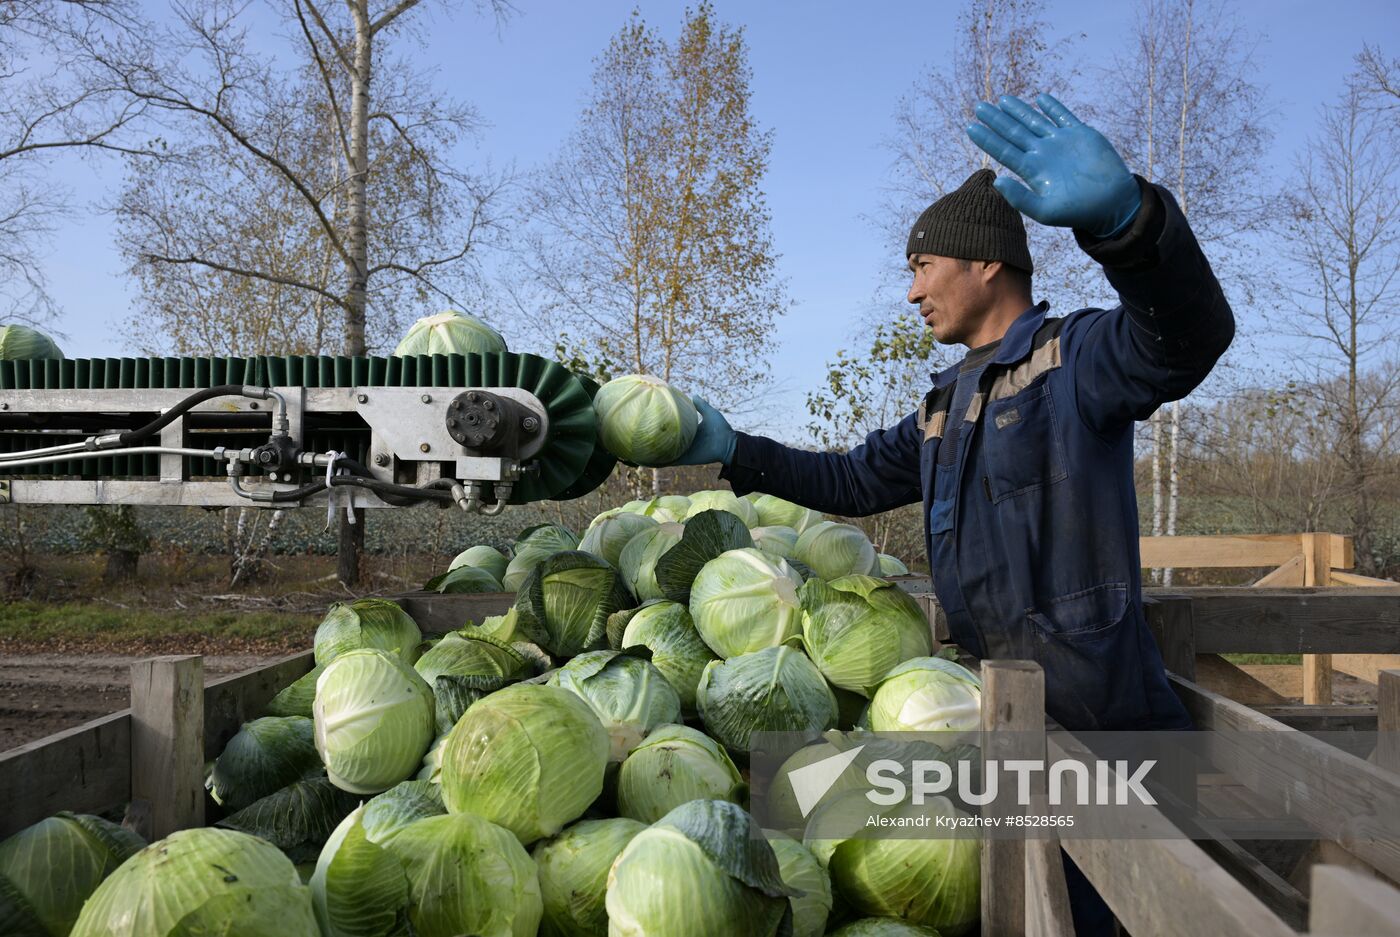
column 45, row 693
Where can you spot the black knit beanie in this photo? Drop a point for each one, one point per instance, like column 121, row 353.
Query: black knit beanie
column 973, row 222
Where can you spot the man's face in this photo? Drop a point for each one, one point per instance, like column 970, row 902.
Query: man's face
column 951, row 294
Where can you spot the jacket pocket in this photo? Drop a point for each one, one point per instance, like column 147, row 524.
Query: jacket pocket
column 1082, row 615
column 940, row 517
column 1022, row 443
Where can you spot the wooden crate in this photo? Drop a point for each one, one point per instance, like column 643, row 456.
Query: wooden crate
column 1171, row 886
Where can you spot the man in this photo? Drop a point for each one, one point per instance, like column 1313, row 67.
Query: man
column 1022, row 454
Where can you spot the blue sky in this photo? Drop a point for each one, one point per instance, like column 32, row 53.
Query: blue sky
column 826, row 78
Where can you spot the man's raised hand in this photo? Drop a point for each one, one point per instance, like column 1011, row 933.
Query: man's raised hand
column 1074, row 177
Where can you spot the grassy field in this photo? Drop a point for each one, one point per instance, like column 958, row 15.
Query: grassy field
column 107, row 626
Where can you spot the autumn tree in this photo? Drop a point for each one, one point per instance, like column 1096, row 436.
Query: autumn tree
column 52, row 102
column 999, row 47
column 649, row 247
column 289, row 202
column 1186, row 114
column 1343, row 234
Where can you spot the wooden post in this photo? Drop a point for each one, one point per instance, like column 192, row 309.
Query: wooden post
column 1388, row 721
column 1013, row 712
column 1169, row 617
column 167, row 745
column 1317, row 571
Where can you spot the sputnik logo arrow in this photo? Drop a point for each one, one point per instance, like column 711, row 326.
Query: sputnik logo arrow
column 810, row 783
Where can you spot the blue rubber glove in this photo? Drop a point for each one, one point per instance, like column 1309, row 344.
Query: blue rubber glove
column 1076, row 177
column 714, row 441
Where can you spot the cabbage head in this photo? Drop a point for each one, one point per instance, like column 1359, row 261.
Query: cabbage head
column 607, row 535
column 637, row 561
column 927, row 694
column 674, row 765
column 775, row 541
column 801, row 872
column 644, row 420
column 721, row 500
column 295, row 698
column 742, row 601
column 857, row 628
column 667, row 508
column 264, row 756
column 464, row 654
column 533, row 547
column 775, row 512
column 451, row 333
column 834, row 550
column 359, row 888
column 700, row 871
column 376, row 623
column 482, row 557
column 201, row 881
column 19, row 342
column 564, row 604
column 573, row 868
column 892, row 565
column 49, row 869
column 432, row 761
column 928, row 881
column 665, row 629
column 530, row 758
column 882, row 927
column 374, row 720
column 629, row 696
column 776, row 689
column 466, row 875
column 460, row 580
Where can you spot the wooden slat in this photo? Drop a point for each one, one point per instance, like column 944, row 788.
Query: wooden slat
column 1306, row 778
column 1289, row 574
column 1345, row 902
column 439, row 614
column 233, row 700
column 1218, row 552
column 1295, row 621
column 1342, row 551
column 1317, row 678
column 1216, row 673
column 1365, row 666
column 167, row 750
column 1277, row 893
column 1388, row 722
column 86, row 769
column 1047, row 900
column 1355, row 579
column 1170, row 619
column 1013, row 713
column 1338, row 717
column 1317, row 569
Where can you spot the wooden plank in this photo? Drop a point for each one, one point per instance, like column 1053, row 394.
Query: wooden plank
column 1388, row 722
column 1365, row 666
column 1170, row 619
column 233, row 700
column 1273, row 889
column 86, row 769
column 1013, row 713
column 1355, row 579
column 1289, row 574
column 1317, row 678
column 439, row 614
column 1317, row 569
column 1338, row 717
column 167, row 749
column 1295, row 621
column 1047, row 899
column 1345, row 902
column 1302, row 776
column 1219, row 675
column 1217, row 552
column 1341, row 551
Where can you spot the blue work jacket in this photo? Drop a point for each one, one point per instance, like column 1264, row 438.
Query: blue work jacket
column 1031, row 527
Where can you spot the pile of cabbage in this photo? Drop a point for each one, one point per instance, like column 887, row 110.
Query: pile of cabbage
column 573, row 767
